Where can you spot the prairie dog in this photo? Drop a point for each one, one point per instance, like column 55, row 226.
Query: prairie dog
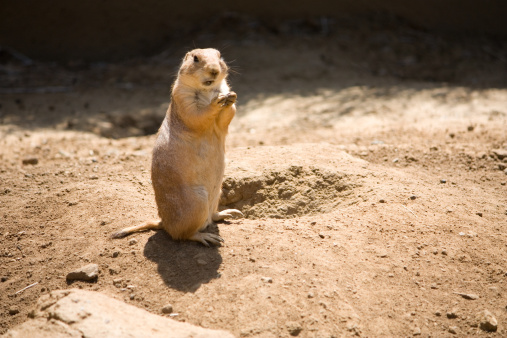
column 188, row 158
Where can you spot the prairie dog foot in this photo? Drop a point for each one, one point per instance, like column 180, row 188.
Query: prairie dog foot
column 205, row 237
column 225, row 214
column 227, row 100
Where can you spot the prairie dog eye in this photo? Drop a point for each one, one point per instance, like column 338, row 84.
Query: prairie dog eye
column 196, row 59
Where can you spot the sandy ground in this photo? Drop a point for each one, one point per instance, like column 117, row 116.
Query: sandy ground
column 370, row 165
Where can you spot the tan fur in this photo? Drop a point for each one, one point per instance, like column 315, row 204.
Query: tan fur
column 188, row 157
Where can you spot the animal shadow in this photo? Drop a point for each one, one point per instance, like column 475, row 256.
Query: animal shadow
column 183, row 265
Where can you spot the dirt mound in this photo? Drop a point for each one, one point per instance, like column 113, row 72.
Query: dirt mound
column 287, row 182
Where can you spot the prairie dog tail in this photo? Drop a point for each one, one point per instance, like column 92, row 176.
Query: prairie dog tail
column 148, row 225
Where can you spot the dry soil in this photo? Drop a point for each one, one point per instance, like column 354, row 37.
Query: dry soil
column 369, row 163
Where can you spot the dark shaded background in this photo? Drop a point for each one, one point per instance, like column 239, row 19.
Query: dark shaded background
column 101, row 30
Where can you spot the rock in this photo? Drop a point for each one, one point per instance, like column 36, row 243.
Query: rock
column 30, row 160
column 417, row 331
column 167, row 308
column 469, row 296
column 202, row 262
column 500, row 153
column 267, row 279
column 486, row 321
column 86, row 273
column 479, row 214
column 452, row 314
column 13, row 310
column 294, row 329
column 4, row 279
column 453, row 329
column 132, row 241
column 443, row 181
column 80, row 313
column 118, row 282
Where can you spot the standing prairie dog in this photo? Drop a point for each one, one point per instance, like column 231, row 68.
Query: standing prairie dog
column 188, row 158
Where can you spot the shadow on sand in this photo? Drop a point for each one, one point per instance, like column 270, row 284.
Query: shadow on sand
column 184, row 265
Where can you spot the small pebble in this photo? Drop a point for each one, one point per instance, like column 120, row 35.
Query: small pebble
column 443, row 181
column 452, row 314
column 30, row 160
column 381, row 201
column 469, row 296
column 202, row 262
column 500, row 153
column 267, row 279
column 85, row 273
column 438, row 313
column 294, row 329
column 453, row 329
column 417, row 331
column 321, row 235
column 4, row 279
column 413, row 197
column 94, row 177
column 132, row 241
column 115, row 254
column 167, row 309
column 479, row 214
column 487, row 322
column 13, row 311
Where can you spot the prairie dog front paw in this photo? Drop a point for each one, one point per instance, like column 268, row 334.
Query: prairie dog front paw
column 226, row 100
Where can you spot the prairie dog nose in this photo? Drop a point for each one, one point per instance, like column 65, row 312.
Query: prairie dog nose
column 213, row 70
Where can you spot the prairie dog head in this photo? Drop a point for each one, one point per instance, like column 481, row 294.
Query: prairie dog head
column 203, row 69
